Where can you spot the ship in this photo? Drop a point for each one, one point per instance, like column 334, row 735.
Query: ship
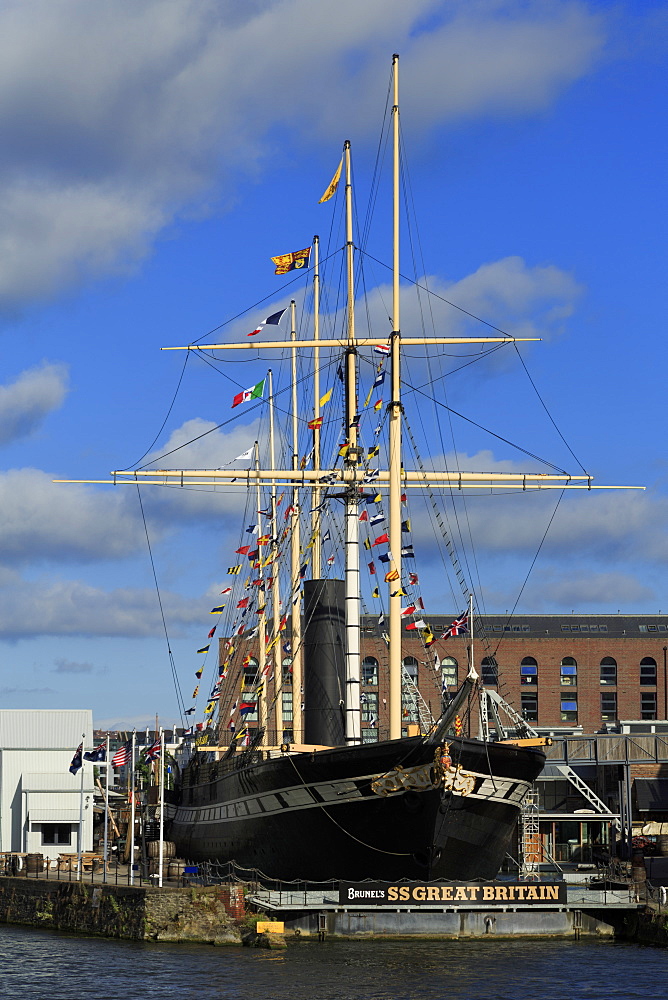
column 309, row 797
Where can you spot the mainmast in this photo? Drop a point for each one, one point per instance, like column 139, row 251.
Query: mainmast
column 273, row 567
column 395, row 412
column 296, row 613
column 352, row 551
column 262, row 614
column 316, row 555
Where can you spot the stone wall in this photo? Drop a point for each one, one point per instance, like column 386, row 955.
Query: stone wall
column 136, row 913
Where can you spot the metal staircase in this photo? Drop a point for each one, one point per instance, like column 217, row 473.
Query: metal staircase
column 420, row 706
column 497, row 705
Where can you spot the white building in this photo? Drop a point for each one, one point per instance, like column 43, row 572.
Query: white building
column 39, row 798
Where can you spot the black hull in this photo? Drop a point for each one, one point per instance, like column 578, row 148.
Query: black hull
column 314, row 817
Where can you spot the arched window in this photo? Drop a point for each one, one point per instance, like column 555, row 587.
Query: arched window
column 490, row 670
column 449, row 672
column 569, row 673
column 529, row 671
column 251, row 673
column 648, row 670
column 409, row 708
column 370, row 671
column 608, row 670
column 286, row 668
column 410, row 665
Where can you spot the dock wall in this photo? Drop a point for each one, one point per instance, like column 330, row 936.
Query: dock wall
column 454, row 925
column 135, row 913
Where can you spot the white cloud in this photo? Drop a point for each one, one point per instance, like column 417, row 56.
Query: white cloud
column 583, row 591
column 113, row 116
column 41, row 520
column 63, row 666
column 72, row 608
column 27, row 401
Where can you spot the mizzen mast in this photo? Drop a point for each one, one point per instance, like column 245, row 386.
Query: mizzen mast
column 395, row 414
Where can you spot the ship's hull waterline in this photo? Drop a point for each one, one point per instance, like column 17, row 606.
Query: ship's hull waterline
column 381, row 810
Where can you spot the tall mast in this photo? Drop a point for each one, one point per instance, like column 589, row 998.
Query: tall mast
column 394, row 408
column 273, row 566
column 316, row 557
column 261, row 618
column 296, row 619
column 352, row 576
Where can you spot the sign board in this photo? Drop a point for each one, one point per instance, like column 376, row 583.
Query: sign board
column 270, row 927
column 451, row 893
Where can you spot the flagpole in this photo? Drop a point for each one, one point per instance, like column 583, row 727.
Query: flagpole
column 131, row 831
column 162, row 804
column 262, row 618
column 81, row 799
column 316, row 564
column 106, row 809
column 352, row 570
column 295, row 540
column 275, row 588
column 394, row 408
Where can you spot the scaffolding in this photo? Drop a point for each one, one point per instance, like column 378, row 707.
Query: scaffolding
column 531, row 845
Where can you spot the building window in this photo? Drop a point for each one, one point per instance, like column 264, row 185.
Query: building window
column 370, row 671
column 530, row 707
column 369, row 736
column 449, row 672
column 608, row 670
column 648, row 704
column 648, row 672
column 369, row 704
column 608, row 706
column 528, row 671
column 286, row 706
column 490, row 670
column 569, row 709
column 250, row 675
column 56, row 833
column 569, row 672
column 410, row 665
column 286, row 670
column 252, row 714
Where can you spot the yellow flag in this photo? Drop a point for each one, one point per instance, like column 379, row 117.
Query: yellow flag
column 326, row 398
column 334, row 183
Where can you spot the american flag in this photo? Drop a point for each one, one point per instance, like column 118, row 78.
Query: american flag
column 458, row 627
column 122, row 755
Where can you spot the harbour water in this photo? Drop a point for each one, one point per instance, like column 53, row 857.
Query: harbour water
column 42, row 964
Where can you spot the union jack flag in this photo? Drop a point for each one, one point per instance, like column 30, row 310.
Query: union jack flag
column 153, row 752
column 459, row 626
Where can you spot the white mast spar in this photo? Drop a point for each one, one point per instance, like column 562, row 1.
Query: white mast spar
column 395, row 413
column 352, row 550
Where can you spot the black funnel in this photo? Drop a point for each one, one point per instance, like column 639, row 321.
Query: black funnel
column 324, row 662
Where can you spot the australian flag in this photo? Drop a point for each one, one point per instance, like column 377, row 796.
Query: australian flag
column 97, row 755
column 77, row 762
column 459, row 626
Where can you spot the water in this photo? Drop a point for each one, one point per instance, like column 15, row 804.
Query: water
column 62, row 967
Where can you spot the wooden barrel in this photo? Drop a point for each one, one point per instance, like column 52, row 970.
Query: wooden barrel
column 34, row 863
column 168, row 849
column 175, row 869
column 662, row 845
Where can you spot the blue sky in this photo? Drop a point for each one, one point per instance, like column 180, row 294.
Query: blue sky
column 154, row 155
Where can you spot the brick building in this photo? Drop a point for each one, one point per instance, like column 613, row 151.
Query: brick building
column 563, row 672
